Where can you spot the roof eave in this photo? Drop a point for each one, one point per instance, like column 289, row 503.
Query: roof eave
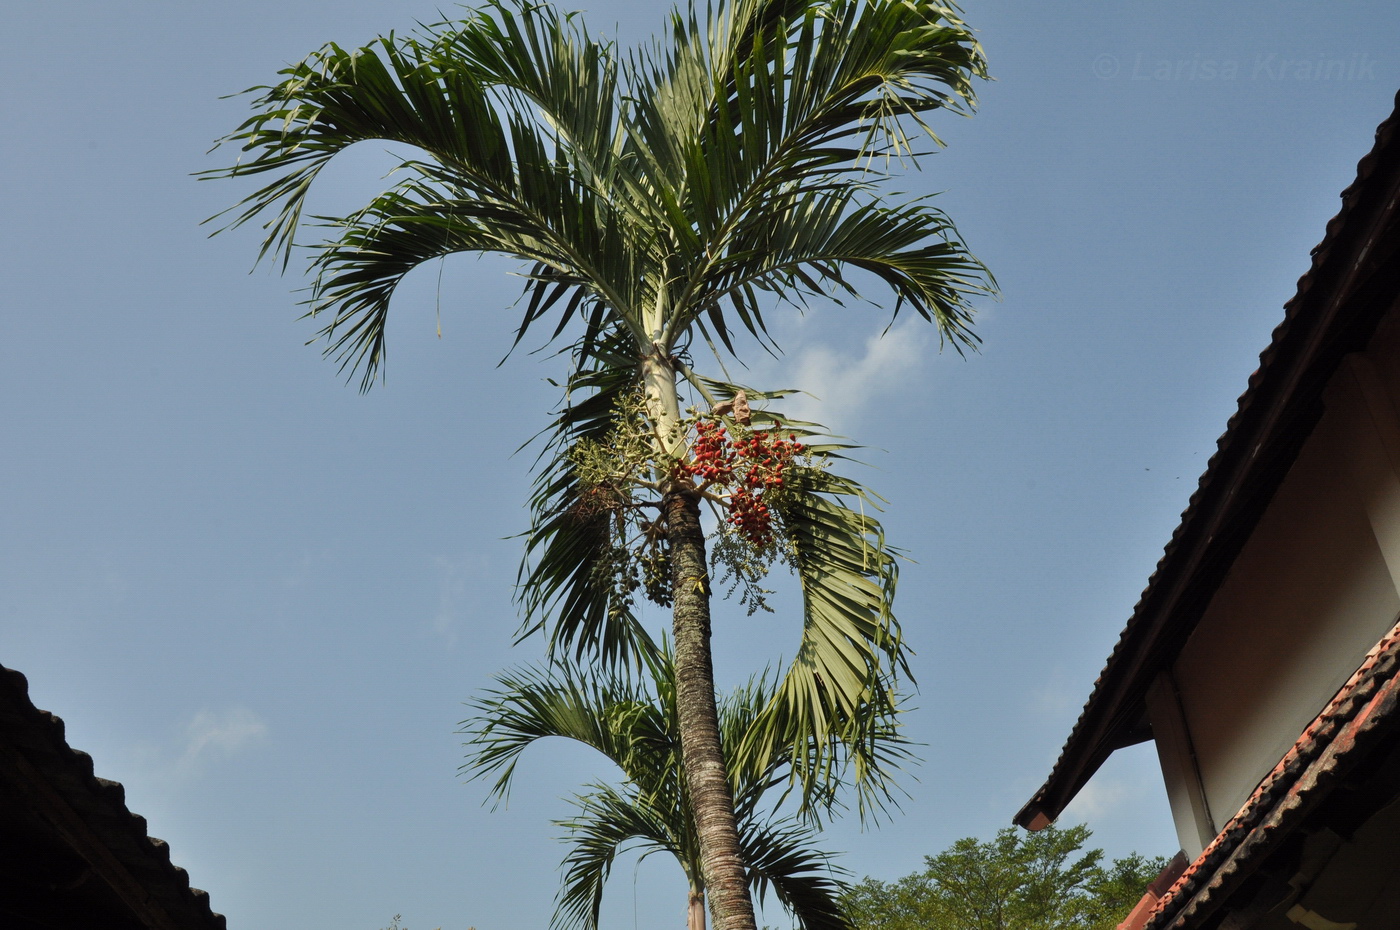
column 1276, row 413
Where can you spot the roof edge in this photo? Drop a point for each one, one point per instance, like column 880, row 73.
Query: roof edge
column 1276, row 412
column 90, row 815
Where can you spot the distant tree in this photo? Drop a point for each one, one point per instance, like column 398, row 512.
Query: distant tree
column 1016, row 881
column 395, row 925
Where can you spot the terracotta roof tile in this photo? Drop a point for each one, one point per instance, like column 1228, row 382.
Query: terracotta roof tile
column 1361, row 715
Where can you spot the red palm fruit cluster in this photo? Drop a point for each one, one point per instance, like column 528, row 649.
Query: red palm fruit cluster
column 711, row 459
column 751, row 465
column 751, row 515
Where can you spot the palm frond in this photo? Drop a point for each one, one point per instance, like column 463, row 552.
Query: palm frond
column 568, row 547
column 535, row 185
column 335, row 98
column 610, row 713
column 839, row 696
column 548, row 59
column 782, row 858
column 752, row 783
column 808, row 245
column 609, row 821
column 632, row 722
column 545, row 60
column 777, row 103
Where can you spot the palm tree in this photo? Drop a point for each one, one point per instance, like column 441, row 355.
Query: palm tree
column 634, row 724
column 658, row 198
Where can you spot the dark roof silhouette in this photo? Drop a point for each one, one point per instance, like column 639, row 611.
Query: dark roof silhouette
column 71, row 854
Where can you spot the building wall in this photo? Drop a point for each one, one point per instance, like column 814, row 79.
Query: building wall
column 1312, row 590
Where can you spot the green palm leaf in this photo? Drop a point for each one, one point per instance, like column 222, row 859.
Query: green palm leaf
column 607, row 823
column 567, row 548
column 496, row 178
column 749, row 130
column 609, row 713
column 782, row 858
column 633, row 723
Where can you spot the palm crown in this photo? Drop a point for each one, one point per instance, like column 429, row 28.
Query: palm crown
column 659, row 197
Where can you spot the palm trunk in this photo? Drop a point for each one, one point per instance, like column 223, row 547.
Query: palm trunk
column 695, row 911
column 712, row 802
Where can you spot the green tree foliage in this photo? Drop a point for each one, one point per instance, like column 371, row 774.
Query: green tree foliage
column 1016, row 881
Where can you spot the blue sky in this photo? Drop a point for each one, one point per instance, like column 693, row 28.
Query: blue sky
column 259, row 599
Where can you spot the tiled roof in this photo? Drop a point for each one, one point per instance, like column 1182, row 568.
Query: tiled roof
column 1276, row 412
column 51, row 801
column 1361, row 716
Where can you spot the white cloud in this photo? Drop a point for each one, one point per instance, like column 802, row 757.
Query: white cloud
column 1097, row 800
column 841, row 386
column 211, row 733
